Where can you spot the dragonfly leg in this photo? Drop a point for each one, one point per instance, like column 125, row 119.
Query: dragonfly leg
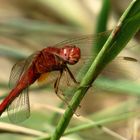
column 56, row 84
column 67, row 78
column 71, row 75
column 62, row 96
column 74, row 80
column 56, row 87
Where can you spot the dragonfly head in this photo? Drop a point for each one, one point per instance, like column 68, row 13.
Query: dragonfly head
column 71, row 54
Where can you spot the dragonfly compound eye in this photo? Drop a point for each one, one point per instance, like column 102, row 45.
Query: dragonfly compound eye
column 74, row 55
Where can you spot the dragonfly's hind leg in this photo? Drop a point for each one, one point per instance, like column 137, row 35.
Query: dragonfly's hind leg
column 62, row 96
column 56, row 87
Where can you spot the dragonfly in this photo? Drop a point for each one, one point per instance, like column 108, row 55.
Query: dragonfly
column 26, row 72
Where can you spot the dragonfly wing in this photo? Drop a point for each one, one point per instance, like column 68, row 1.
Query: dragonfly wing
column 18, row 70
column 16, row 73
column 19, row 109
column 84, row 39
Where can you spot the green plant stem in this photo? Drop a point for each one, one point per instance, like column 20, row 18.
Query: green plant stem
column 128, row 26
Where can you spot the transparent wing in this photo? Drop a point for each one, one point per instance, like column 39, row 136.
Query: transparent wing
column 123, row 67
column 18, row 70
column 19, row 109
column 84, row 39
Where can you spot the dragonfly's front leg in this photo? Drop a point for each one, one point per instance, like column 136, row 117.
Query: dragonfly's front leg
column 73, row 78
column 71, row 75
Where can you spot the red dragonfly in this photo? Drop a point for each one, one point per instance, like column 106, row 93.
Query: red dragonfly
column 47, row 60
column 26, row 72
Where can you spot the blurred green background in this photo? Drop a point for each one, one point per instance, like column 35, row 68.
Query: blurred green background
column 30, row 25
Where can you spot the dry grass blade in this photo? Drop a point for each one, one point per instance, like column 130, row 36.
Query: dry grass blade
column 11, row 128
